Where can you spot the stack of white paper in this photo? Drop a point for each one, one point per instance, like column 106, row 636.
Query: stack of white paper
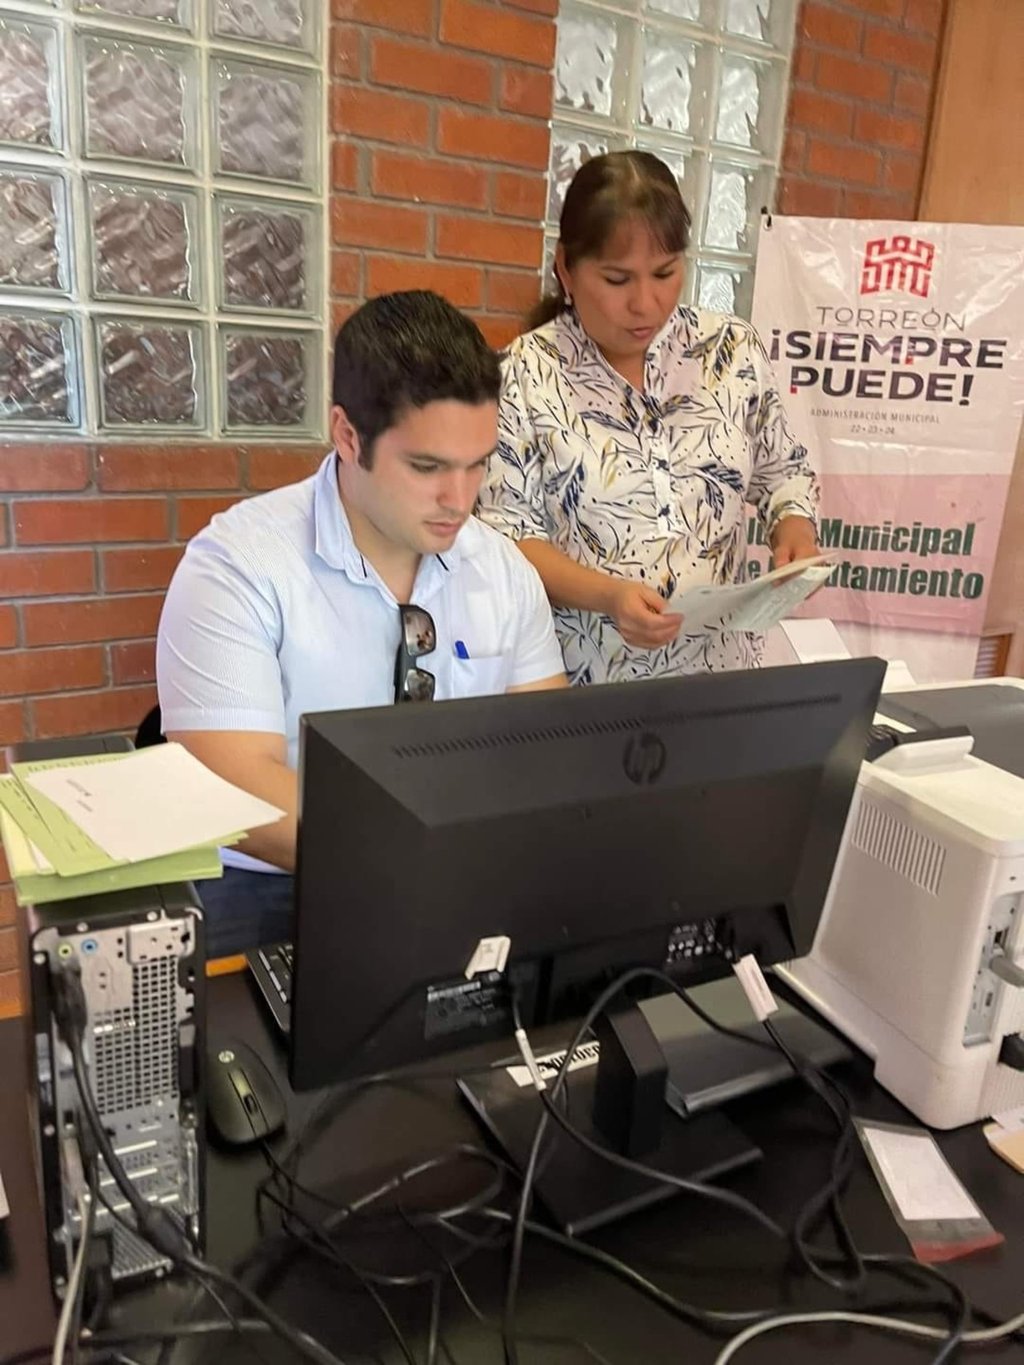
column 815, row 639
column 150, row 803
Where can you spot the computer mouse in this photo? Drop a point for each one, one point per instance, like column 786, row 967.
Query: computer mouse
column 243, row 1101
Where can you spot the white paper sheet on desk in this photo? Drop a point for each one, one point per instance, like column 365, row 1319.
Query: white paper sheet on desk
column 898, row 677
column 756, row 605
column 156, row 801
column 815, row 640
column 922, row 1184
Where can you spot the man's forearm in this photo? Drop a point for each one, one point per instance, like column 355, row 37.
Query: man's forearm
column 277, row 783
column 256, row 763
column 567, row 583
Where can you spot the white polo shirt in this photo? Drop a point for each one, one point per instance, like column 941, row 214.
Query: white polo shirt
column 273, row 612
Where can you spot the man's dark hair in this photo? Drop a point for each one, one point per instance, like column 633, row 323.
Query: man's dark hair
column 402, row 351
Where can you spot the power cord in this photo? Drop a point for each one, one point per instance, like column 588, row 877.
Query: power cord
column 983, row 1337
column 442, row 1219
column 549, row 1099
column 814, row 1259
column 167, row 1237
column 817, row 1259
column 102, row 1343
column 837, row 1102
column 71, row 1309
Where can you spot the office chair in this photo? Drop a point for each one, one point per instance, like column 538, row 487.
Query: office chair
column 149, row 730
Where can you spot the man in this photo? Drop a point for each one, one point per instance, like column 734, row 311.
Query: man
column 368, row 584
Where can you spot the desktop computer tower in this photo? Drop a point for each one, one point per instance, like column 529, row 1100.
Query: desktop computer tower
column 141, row 960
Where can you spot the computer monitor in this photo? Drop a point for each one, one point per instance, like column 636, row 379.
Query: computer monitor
column 676, row 823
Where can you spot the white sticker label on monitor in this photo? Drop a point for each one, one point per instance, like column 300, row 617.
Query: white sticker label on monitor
column 586, row 1054
column 490, row 955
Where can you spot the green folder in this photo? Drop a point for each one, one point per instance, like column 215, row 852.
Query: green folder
column 37, row 882
column 67, row 848
column 51, row 859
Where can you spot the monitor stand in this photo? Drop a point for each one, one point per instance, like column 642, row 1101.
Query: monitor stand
column 685, row 1134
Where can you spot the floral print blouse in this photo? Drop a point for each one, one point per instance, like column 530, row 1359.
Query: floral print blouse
column 650, row 486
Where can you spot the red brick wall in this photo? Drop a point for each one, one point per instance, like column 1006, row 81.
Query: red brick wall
column 439, row 149
column 860, row 98
column 89, row 537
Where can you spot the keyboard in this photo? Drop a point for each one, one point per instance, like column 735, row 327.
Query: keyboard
column 271, row 967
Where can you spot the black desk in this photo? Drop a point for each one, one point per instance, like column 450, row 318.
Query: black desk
column 693, row 1249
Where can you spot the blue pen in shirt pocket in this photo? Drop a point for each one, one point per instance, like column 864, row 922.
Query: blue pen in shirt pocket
column 461, row 652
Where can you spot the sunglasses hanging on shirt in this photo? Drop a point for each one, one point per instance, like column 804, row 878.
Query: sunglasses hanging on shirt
column 418, row 637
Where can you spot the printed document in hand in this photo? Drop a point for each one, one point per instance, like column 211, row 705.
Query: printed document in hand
column 153, row 802
column 755, row 605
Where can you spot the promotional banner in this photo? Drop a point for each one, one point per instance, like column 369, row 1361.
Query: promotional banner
column 899, row 350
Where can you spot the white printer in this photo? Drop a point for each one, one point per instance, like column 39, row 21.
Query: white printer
column 919, row 956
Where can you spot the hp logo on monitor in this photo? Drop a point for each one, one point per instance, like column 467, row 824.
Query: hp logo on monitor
column 644, row 758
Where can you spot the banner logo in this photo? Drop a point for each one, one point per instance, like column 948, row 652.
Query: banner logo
column 897, row 263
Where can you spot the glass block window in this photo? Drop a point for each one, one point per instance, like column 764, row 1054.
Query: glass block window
column 702, row 84
column 162, row 217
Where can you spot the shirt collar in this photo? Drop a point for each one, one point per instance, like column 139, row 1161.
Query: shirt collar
column 578, row 349
column 333, row 541
column 335, row 545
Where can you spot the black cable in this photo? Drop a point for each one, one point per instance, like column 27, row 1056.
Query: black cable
column 417, row 1221
column 413, row 1220
column 111, row 1341
column 313, row 1237
column 325, row 1109
column 353, row 1208
column 202, row 1287
column 814, row 1258
column 713, row 1321
column 709, row 1320
column 442, row 1217
column 842, row 1113
column 434, row 1328
column 104, row 1297
column 515, row 1263
column 153, row 1222
column 395, row 1184
column 843, row 1157
column 540, row 1338
column 827, row 1198
column 220, row 1301
column 421, row 1220
column 705, row 1319
column 550, row 1109
column 712, row 1023
column 961, row 1323
column 697, row 1187
column 318, row 1243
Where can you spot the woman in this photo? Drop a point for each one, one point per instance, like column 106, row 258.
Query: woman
column 632, row 433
